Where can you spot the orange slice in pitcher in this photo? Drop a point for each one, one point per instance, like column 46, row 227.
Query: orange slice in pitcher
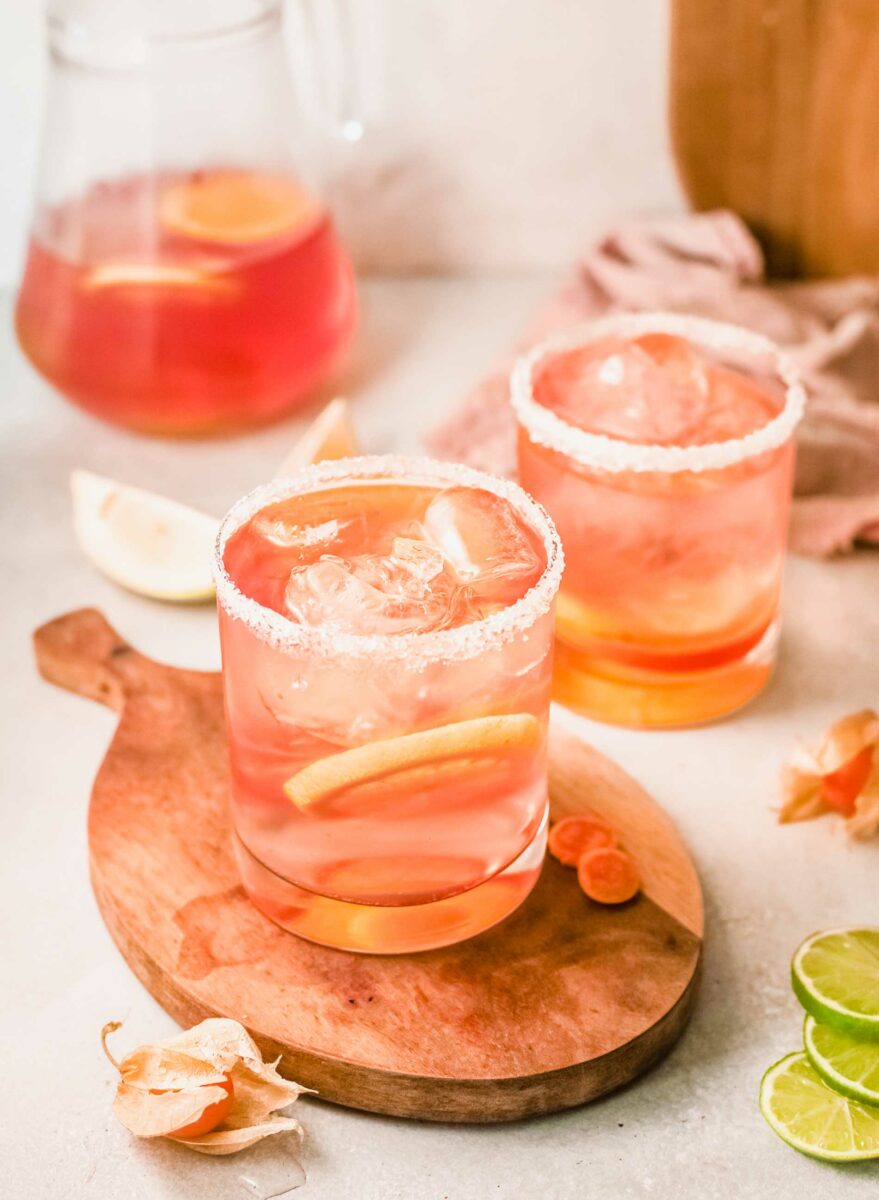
column 138, row 276
column 327, row 777
column 235, row 206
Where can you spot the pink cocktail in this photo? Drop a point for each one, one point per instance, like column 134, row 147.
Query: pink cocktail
column 662, row 448
column 387, row 629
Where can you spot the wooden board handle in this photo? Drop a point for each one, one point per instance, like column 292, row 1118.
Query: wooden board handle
column 83, row 653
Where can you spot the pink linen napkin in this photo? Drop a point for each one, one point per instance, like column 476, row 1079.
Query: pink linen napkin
column 709, row 263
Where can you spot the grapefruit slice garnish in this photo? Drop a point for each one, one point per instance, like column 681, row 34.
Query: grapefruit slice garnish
column 144, row 542
column 235, row 206
column 330, row 435
column 327, row 777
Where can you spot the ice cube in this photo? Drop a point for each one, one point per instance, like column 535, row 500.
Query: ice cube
column 737, row 406
column 651, row 390
column 404, row 592
column 281, row 531
column 419, row 558
column 344, row 706
column 483, row 543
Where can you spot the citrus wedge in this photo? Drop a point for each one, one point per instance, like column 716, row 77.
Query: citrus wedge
column 849, row 1066
column 813, row 1118
column 326, row 777
column 144, row 542
column 235, row 206
column 330, row 435
column 835, row 976
column 154, row 275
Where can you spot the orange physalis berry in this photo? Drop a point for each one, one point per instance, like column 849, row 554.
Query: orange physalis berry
column 841, row 788
column 573, row 836
column 608, row 875
column 212, row 1116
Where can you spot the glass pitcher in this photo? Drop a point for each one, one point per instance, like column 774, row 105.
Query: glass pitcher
column 182, row 277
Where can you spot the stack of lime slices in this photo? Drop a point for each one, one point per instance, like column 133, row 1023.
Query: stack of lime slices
column 824, row 1100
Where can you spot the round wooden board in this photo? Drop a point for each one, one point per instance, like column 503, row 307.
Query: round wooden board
column 561, row 1003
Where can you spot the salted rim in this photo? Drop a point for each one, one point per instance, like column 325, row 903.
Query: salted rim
column 606, row 453
column 465, row 641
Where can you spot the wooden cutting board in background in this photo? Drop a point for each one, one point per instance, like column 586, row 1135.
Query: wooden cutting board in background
column 774, row 111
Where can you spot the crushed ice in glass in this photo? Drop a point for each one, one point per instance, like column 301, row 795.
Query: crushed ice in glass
column 373, row 593
column 468, row 556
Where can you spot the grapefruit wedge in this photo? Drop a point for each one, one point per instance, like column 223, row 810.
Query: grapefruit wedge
column 330, row 435
column 144, row 542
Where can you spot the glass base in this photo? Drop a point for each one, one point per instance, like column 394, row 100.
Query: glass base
column 639, row 698
column 403, row 929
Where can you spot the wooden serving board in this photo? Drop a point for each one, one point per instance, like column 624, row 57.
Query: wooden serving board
column 560, row 1003
column 774, row 110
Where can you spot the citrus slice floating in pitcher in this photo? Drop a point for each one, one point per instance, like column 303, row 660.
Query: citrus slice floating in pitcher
column 814, row 1119
column 133, row 275
column 329, row 436
column 325, row 778
column 235, row 206
column 142, row 541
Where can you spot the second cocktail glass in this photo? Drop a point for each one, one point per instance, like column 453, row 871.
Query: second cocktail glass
column 661, row 445
column 387, row 630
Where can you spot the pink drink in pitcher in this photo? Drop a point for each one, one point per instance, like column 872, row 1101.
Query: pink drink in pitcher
column 188, row 303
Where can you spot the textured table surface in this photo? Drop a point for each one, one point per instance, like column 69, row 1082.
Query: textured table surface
column 690, row 1128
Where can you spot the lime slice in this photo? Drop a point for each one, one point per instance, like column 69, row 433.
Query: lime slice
column 325, row 777
column 330, row 435
column 836, row 979
column 814, row 1119
column 144, row 542
column 847, row 1064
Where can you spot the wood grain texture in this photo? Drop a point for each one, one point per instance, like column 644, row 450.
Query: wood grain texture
column 774, row 112
column 561, row 1003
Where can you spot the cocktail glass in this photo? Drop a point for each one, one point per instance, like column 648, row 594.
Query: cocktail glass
column 387, row 628
column 661, row 445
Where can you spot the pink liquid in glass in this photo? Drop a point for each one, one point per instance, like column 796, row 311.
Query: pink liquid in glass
column 668, row 609
column 416, row 847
